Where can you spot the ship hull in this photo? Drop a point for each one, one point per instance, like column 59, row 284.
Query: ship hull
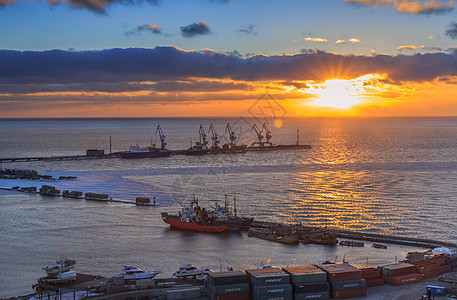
column 144, row 154
column 194, row 226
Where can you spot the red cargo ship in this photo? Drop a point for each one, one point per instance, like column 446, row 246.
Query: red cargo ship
column 194, row 218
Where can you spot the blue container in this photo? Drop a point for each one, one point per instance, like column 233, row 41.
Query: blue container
column 231, row 289
column 312, row 296
column 436, row 290
column 270, row 279
column 270, row 290
column 345, row 285
column 311, row 287
column 273, row 297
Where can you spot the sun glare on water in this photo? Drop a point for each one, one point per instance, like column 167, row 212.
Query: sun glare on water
column 336, row 93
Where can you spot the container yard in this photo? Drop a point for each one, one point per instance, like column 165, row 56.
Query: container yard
column 328, row 280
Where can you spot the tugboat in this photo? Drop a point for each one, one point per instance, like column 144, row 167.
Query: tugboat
column 135, row 273
column 226, row 216
column 150, row 151
column 232, row 147
column 188, row 270
column 201, row 147
column 193, row 217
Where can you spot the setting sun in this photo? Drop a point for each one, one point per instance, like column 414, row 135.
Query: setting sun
column 336, row 93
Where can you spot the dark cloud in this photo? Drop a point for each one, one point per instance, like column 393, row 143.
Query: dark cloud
column 194, row 29
column 172, row 64
column 98, row 6
column 3, row 3
column 451, row 30
column 152, row 28
column 249, row 29
column 296, row 84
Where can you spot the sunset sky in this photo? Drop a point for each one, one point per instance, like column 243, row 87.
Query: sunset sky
column 164, row 58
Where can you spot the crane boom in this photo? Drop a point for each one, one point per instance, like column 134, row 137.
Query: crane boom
column 162, row 137
column 203, row 140
column 215, row 137
column 231, row 133
column 267, row 132
column 259, row 133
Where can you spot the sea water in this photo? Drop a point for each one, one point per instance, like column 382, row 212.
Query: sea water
column 383, row 175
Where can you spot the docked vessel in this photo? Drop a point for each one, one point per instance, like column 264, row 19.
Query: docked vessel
column 229, row 217
column 200, row 147
column 61, row 277
column 150, row 151
column 188, row 270
column 134, row 273
column 195, row 218
column 62, row 265
column 261, row 145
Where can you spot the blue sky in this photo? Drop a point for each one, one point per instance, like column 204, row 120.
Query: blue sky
column 127, row 58
column 279, row 26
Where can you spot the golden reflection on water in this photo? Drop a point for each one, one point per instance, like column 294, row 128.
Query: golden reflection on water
column 332, row 197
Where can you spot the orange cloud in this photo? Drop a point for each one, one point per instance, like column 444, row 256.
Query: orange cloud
column 407, row 48
column 354, row 40
column 311, row 39
column 340, row 42
column 412, row 6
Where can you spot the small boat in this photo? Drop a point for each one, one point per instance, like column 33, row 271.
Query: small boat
column 200, row 147
column 195, row 218
column 138, row 152
column 225, row 215
column 62, row 277
column 188, row 270
column 133, row 272
column 205, row 274
column 379, row 246
column 150, row 151
column 62, row 265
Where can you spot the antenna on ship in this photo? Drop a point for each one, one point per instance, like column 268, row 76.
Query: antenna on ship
column 226, row 202
column 234, row 206
column 298, row 136
column 110, row 145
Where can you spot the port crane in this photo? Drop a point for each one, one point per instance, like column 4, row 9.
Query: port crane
column 203, row 141
column 162, row 138
column 267, row 133
column 231, row 133
column 215, row 137
column 259, row 134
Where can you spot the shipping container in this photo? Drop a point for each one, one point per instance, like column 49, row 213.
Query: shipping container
column 313, row 296
column 344, row 285
column 374, row 282
column 445, row 269
column 238, row 288
column 231, row 297
column 371, row 273
column 405, row 279
column 427, row 266
column 274, row 297
column 439, row 259
column 306, row 274
column 399, row 269
column 436, row 290
column 265, row 290
column 430, row 274
column 270, row 279
column 188, row 293
column 225, row 278
column 349, row 294
column 343, row 271
column 311, row 287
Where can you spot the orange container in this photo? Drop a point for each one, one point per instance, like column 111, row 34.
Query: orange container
column 405, row 279
column 374, row 281
column 445, row 269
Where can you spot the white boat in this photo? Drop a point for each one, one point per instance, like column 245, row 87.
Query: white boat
column 188, row 271
column 61, row 277
column 206, row 272
column 62, row 265
column 137, row 273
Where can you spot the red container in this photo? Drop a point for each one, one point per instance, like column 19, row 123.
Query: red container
column 343, row 271
column 232, row 297
column 374, row 281
column 371, row 273
column 349, row 294
column 427, row 266
column 400, row 270
column 405, row 279
column 440, row 260
column 445, row 269
column 430, row 274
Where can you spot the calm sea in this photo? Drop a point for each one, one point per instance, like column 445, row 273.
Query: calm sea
column 383, row 175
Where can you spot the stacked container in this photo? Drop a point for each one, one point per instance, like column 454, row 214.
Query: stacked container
column 309, row 282
column 400, row 273
column 372, row 276
column 231, row 285
column 269, row 284
column 345, row 280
